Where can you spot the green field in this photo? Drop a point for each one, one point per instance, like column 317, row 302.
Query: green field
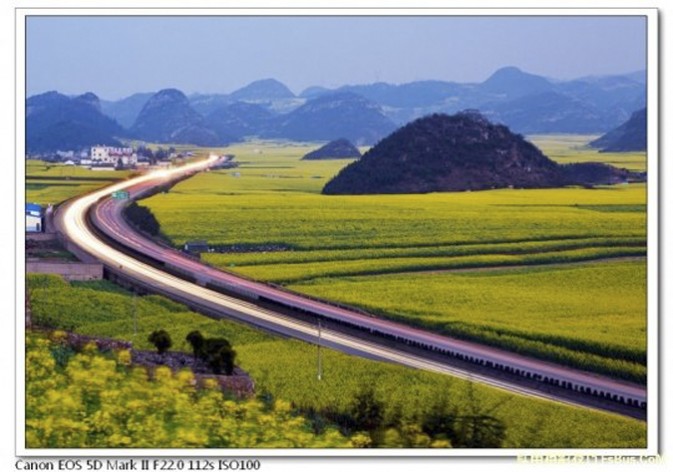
column 48, row 183
column 580, row 315
column 286, row 370
column 567, row 148
column 388, row 253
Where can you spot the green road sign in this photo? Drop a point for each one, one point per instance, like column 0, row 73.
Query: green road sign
column 120, row 195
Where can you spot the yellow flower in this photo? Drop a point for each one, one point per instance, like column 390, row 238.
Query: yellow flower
column 361, row 440
column 59, row 336
column 124, row 357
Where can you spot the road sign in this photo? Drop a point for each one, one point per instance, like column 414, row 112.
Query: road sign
column 120, row 195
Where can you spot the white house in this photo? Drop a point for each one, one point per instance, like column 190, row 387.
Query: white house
column 108, row 155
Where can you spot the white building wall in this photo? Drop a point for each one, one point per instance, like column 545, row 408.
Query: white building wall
column 33, row 224
column 110, row 155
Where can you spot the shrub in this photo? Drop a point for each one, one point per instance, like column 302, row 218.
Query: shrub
column 143, row 218
column 161, row 340
column 197, row 341
column 217, row 352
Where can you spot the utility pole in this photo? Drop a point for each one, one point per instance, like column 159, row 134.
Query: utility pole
column 135, row 314
column 319, row 353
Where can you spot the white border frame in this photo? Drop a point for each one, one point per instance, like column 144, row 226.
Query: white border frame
column 653, row 322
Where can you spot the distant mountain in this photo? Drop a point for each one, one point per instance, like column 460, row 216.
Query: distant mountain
column 262, row 90
column 126, row 110
column 208, row 103
column 547, row 112
column 465, row 151
column 57, row 122
column 314, row 91
column 239, row 119
column 639, row 76
column 167, row 117
column 512, row 82
column 613, row 98
column 90, row 99
column 337, row 149
column 269, row 93
column 333, row 116
column 423, row 93
column 630, row 136
column 525, row 102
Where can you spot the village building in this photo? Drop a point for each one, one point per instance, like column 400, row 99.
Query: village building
column 34, row 218
column 108, row 156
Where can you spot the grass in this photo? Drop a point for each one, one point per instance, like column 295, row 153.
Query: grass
column 286, row 369
column 449, row 250
column 211, row 207
column 48, row 183
column 298, row 272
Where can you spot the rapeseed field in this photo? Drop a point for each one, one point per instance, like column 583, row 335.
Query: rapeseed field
column 555, row 273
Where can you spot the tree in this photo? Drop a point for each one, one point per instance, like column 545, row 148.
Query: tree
column 197, row 341
column 221, row 359
column 143, row 218
column 439, row 419
column 219, row 355
column 216, row 352
column 367, row 410
column 479, row 428
column 479, row 431
column 145, row 151
column 161, row 340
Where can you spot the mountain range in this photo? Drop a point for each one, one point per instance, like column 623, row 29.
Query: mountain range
column 364, row 114
column 57, row 122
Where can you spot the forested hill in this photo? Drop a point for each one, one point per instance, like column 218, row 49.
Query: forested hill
column 337, row 149
column 464, row 151
column 630, row 136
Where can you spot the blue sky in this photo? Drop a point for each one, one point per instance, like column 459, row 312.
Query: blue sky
column 117, row 56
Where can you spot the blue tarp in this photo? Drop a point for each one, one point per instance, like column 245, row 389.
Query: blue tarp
column 34, row 209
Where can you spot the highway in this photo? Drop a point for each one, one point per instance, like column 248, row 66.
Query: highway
column 167, row 271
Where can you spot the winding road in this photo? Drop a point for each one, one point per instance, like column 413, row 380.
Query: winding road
column 94, row 224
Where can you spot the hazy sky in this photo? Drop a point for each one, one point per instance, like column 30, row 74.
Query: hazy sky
column 117, row 56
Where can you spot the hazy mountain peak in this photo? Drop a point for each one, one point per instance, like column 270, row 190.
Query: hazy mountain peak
column 514, row 82
column 511, row 71
column 264, row 89
column 171, row 94
column 335, row 115
column 167, row 117
column 91, row 99
column 314, row 91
